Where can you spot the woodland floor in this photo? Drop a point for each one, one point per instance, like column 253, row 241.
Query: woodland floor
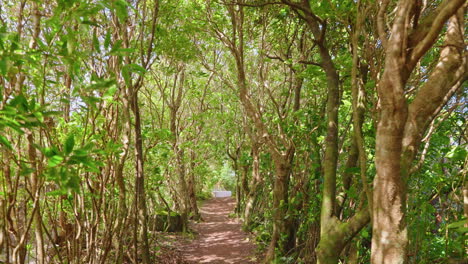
column 219, row 238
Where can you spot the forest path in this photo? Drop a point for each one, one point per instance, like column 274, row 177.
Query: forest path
column 220, row 239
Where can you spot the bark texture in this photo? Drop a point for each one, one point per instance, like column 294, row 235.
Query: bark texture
column 402, row 124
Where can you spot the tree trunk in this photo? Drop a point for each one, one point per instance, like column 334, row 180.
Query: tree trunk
column 140, row 197
column 238, row 188
column 35, row 190
column 118, row 175
column 175, row 102
column 400, row 127
column 183, row 189
column 244, row 184
column 279, row 238
column 389, row 237
column 338, row 234
column 254, row 185
column 191, row 188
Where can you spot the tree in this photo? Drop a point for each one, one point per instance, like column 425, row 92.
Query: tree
column 401, row 124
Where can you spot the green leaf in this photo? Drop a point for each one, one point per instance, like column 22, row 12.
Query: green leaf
column 117, row 45
column 49, row 152
column 136, row 68
column 20, row 102
column 81, row 153
column 121, row 51
column 352, row 170
column 109, row 94
column 3, row 67
column 364, row 233
column 74, row 183
column 96, row 42
column 71, row 44
column 457, row 224
column 121, row 9
column 456, row 154
column 91, row 23
column 129, row 68
column 107, row 40
column 55, row 160
column 69, row 144
column 4, row 141
column 25, row 170
column 346, row 102
column 39, row 116
column 462, row 230
column 58, row 192
column 126, row 76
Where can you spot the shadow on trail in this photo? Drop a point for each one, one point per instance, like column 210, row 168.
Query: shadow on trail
column 220, row 238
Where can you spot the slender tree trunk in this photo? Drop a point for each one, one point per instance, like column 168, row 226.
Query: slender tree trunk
column 140, row 197
column 235, row 163
column 35, row 190
column 254, row 185
column 183, row 189
column 245, row 183
column 238, row 187
column 334, row 234
column 175, row 102
column 191, row 188
column 118, row 174
column 280, row 207
column 6, row 169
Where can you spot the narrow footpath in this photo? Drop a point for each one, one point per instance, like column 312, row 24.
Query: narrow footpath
column 220, row 239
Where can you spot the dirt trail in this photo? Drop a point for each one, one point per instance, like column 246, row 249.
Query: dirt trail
column 220, row 238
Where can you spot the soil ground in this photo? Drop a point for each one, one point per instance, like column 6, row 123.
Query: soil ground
column 220, row 238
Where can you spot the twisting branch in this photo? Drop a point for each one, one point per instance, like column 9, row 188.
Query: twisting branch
column 444, row 12
column 295, row 5
column 358, row 98
column 381, row 22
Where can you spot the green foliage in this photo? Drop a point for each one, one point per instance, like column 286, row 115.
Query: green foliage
column 64, row 167
column 459, row 227
column 226, row 177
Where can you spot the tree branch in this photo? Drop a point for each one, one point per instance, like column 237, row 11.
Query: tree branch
column 443, row 13
column 381, row 22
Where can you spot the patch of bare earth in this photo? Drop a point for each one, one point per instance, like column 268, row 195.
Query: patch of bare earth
column 220, row 238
